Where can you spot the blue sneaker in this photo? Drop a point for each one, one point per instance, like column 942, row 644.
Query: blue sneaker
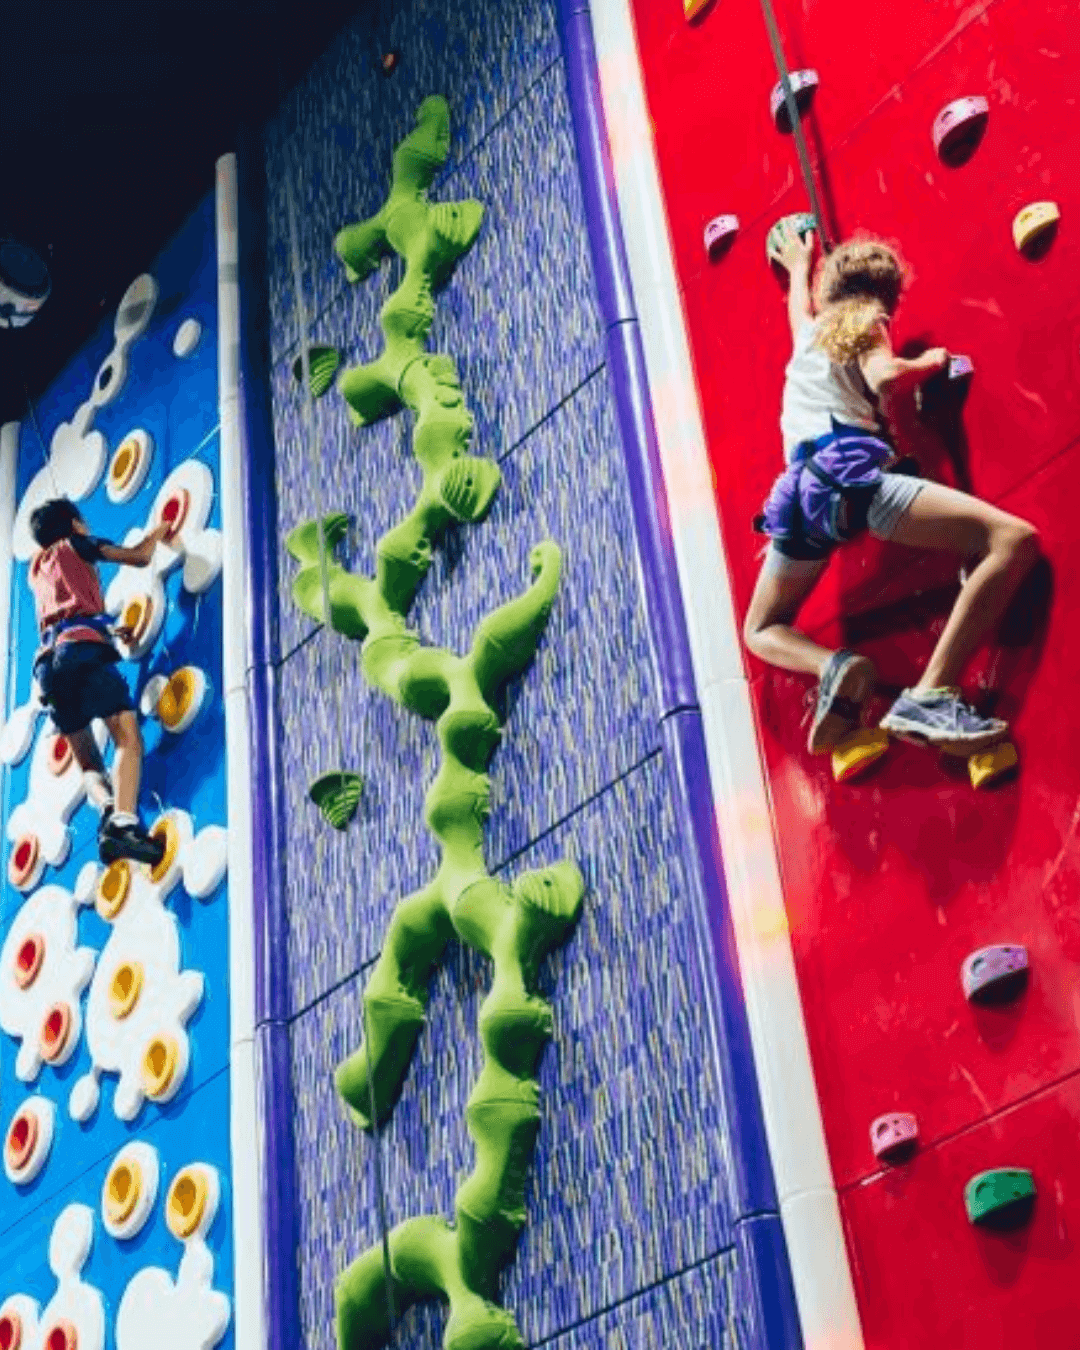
column 940, row 718
column 845, row 683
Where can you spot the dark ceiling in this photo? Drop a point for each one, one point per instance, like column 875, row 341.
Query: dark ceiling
column 112, row 113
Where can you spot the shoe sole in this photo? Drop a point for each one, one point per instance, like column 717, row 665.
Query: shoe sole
column 972, row 745
column 856, row 684
column 111, row 852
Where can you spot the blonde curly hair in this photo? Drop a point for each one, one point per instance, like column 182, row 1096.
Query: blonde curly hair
column 857, row 286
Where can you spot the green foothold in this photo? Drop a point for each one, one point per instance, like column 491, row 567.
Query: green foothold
column 992, row 1195
column 322, row 367
column 337, row 795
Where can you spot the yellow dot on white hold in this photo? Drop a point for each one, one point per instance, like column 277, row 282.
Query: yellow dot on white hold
column 125, row 463
column 165, row 828
column 137, row 616
column 177, row 701
column 125, row 988
column 186, row 1202
column 159, row 1065
column 123, row 1187
column 112, row 889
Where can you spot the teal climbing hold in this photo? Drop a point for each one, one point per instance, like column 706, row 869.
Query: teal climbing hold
column 337, row 795
column 322, row 367
column 1000, row 1194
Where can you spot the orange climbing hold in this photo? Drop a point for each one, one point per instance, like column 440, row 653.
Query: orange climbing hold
column 21, row 1141
column 857, row 751
column 992, row 764
column 112, row 889
column 55, row 1036
column 692, row 8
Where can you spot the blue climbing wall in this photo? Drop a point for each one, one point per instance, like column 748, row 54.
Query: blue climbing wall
column 630, row 1238
column 176, row 400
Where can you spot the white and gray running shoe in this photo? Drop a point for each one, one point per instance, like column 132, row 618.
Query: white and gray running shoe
column 845, row 682
column 940, row 718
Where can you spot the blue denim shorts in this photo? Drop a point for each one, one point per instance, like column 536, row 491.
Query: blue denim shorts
column 79, row 681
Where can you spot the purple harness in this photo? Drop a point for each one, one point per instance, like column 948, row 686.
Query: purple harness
column 823, row 496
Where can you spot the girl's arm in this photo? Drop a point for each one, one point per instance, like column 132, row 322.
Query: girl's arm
column 797, row 255
column 889, row 375
column 140, row 555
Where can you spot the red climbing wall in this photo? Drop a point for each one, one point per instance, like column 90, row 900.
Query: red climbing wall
column 891, row 882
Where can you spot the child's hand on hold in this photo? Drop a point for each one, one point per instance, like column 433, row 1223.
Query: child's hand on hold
column 797, row 253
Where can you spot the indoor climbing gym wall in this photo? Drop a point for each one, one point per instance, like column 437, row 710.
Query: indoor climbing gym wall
column 508, row 1114
column 930, row 906
column 115, row 1199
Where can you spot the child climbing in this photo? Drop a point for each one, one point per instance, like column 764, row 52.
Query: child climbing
column 74, row 668
column 837, row 483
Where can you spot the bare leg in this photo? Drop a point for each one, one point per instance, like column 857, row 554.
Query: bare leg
column 88, row 758
column 782, row 587
column 127, row 762
column 1006, row 548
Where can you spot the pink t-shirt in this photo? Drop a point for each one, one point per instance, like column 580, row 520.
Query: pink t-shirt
column 66, row 586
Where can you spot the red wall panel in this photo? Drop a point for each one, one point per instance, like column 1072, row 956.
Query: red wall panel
column 891, row 882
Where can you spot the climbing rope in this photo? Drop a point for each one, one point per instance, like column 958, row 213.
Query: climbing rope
column 796, row 124
column 308, row 417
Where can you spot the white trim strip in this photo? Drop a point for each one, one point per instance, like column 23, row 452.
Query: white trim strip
column 808, row 1203
column 250, row 1300
column 9, row 458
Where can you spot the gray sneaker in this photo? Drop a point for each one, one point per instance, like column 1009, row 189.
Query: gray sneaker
column 845, row 683
column 943, row 720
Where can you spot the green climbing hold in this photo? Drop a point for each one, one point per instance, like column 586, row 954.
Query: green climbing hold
column 322, row 365
column 337, row 795
column 801, row 224
column 999, row 1196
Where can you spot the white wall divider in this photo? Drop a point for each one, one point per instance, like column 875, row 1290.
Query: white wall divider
column 808, row 1202
column 9, row 456
column 248, row 1219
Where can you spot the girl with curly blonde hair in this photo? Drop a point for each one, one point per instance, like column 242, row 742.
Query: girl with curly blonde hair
column 842, row 375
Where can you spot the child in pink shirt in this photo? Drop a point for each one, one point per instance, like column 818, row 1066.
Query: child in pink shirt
column 75, row 668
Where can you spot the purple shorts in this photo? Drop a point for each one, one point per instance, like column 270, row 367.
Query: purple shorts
column 822, row 497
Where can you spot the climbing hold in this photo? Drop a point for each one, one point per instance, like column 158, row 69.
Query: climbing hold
column 993, row 764
column 130, row 1189
column 994, row 974
column 28, row 960
column 162, row 1071
column 804, row 84
column 182, row 697
column 1002, row 1196
column 388, row 62
column 62, row 1335
column 56, row 1042
column 960, row 367
column 801, row 224
column 894, row 1136
column 337, row 795
column 192, row 1200
column 26, row 863
column 174, row 511
column 165, row 828
column 112, row 889
column 125, row 988
column 692, row 8
column 720, row 235
column 129, row 466
column 28, row 1140
column 322, row 367
column 11, row 1330
column 136, row 617
column 1034, row 226
column 61, row 755
column 187, row 338
column 958, row 128
column 856, row 752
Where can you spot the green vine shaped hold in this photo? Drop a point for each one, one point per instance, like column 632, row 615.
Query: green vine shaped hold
column 515, row 925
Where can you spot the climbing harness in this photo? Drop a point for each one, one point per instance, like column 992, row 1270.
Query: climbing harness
column 796, row 124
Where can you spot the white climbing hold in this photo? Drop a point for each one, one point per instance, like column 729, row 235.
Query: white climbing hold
column 187, row 338
column 130, row 1190
column 76, row 1307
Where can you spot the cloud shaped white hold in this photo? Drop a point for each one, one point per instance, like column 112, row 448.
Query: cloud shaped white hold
column 74, row 1301
column 157, row 1314
column 146, row 934
column 66, row 970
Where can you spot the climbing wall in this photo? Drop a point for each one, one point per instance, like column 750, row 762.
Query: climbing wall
column 629, row 1222
column 892, row 881
column 115, row 1217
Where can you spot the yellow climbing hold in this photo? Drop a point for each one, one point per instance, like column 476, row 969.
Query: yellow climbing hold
column 125, row 988
column 692, row 8
column 992, row 764
column 855, row 753
column 165, row 828
column 112, row 889
column 187, row 1201
column 1030, row 222
column 123, row 1187
column 160, row 1063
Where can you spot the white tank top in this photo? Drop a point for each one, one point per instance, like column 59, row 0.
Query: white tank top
column 816, row 391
